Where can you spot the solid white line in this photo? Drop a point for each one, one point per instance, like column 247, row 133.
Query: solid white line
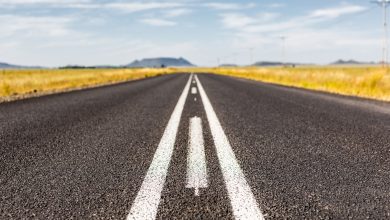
column 146, row 203
column 194, row 90
column 196, row 168
column 241, row 197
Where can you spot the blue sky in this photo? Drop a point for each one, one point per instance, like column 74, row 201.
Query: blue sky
column 99, row 32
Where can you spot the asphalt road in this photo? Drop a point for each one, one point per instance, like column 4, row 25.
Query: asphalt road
column 263, row 151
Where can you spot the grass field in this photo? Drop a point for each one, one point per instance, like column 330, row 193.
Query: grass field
column 369, row 82
column 25, row 82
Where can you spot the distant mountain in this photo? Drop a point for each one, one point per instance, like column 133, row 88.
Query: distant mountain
column 267, row 63
column 12, row 66
column 351, row 62
column 160, row 62
column 228, row 65
column 271, row 63
column 9, row 66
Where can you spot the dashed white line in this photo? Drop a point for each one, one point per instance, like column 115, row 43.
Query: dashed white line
column 196, row 168
column 146, row 203
column 194, row 90
column 241, row 197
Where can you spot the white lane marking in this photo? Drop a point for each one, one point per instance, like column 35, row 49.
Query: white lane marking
column 195, row 99
column 146, row 203
column 194, row 90
column 241, row 197
column 196, row 167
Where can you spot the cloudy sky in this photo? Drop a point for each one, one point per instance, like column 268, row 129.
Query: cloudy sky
column 99, row 32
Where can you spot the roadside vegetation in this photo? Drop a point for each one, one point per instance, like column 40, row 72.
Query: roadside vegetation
column 369, row 82
column 19, row 83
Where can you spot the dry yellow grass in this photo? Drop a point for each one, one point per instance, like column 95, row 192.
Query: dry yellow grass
column 21, row 82
column 370, row 82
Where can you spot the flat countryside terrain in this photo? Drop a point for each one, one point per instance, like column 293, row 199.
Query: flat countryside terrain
column 368, row 82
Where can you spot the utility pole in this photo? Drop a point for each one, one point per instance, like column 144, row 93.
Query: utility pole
column 385, row 53
column 283, row 38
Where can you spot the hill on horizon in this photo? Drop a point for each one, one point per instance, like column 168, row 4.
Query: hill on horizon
column 274, row 63
column 351, row 62
column 160, row 62
column 12, row 66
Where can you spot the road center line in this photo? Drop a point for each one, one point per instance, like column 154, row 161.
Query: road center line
column 196, row 168
column 241, row 197
column 146, row 203
column 194, row 90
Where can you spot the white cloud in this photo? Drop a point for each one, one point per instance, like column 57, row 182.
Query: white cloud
column 176, row 7
column 140, row 6
column 30, row 25
column 89, row 4
column 260, row 23
column 177, row 12
column 304, row 32
column 276, row 5
column 267, row 16
column 22, row 2
column 48, row 3
column 158, row 22
column 336, row 12
column 244, row 22
column 237, row 21
column 228, row 6
column 265, row 22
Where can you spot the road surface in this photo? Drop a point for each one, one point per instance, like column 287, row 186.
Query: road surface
column 194, row 147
